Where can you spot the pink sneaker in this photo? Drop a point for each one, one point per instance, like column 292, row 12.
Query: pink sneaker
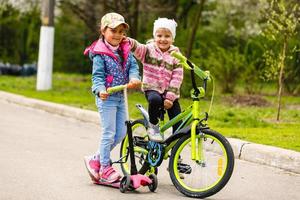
column 109, row 174
column 92, row 164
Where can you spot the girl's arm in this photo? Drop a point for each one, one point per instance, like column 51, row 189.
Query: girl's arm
column 134, row 77
column 173, row 91
column 138, row 49
column 133, row 69
column 98, row 75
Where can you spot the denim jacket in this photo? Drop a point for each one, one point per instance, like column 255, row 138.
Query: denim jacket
column 111, row 68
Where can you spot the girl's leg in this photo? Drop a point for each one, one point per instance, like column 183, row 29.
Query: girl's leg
column 155, row 101
column 120, row 123
column 92, row 162
column 173, row 112
column 108, row 112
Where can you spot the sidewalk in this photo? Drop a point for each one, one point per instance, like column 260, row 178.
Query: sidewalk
column 268, row 155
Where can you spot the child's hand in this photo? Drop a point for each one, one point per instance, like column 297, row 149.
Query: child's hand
column 134, row 84
column 125, row 39
column 103, row 95
column 168, row 104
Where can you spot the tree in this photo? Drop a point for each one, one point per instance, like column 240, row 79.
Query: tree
column 281, row 26
column 91, row 11
column 194, row 28
column 292, row 75
column 226, row 65
column 19, row 29
column 228, row 44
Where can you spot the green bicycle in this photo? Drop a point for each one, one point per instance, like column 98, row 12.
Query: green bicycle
column 201, row 160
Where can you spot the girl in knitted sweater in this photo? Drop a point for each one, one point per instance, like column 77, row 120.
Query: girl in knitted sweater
column 162, row 74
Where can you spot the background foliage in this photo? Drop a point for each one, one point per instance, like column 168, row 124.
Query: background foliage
column 225, row 36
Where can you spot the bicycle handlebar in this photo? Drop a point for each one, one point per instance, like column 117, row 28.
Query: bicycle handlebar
column 179, row 56
column 205, row 75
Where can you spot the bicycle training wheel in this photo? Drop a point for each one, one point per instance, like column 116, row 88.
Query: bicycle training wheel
column 140, row 141
column 210, row 173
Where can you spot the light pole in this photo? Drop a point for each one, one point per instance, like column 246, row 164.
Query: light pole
column 45, row 60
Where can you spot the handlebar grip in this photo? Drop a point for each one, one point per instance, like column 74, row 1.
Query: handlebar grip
column 179, row 56
column 116, row 89
column 182, row 59
column 189, row 65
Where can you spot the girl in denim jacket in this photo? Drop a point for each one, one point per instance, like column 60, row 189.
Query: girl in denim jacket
column 113, row 64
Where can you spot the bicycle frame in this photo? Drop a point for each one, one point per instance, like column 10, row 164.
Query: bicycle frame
column 190, row 116
column 195, row 147
column 196, row 153
column 185, row 116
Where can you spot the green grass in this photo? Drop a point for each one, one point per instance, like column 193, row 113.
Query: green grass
column 69, row 89
column 254, row 124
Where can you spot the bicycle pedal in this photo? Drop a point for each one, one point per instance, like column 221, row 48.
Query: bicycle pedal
column 184, row 168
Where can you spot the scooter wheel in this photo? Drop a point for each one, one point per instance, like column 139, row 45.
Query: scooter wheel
column 125, row 183
column 153, row 185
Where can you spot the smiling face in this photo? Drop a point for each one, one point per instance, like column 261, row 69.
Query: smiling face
column 114, row 36
column 163, row 39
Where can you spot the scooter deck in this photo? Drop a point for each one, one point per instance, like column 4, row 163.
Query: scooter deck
column 114, row 184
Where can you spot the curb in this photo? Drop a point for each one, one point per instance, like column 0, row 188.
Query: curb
column 67, row 111
column 267, row 155
column 262, row 154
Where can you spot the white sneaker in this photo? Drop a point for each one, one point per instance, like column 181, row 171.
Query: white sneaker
column 154, row 134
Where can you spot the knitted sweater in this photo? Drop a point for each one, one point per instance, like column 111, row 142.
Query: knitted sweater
column 161, row 72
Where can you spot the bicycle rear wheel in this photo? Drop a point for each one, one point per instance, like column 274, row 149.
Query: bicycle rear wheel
column 210, row 173
column 140, row 139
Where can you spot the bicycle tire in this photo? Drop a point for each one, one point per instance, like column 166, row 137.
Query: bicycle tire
column 223, row 174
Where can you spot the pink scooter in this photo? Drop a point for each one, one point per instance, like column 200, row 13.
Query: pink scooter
column 134, row 180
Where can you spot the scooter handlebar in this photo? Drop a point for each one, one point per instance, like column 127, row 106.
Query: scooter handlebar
column 117, row 88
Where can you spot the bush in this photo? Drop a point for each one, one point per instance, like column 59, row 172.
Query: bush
column 227, row 66
column 19, row 34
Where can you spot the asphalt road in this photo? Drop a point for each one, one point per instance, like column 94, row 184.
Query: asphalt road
column 41, row 157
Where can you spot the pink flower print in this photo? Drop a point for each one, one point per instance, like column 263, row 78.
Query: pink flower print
column 109, row 79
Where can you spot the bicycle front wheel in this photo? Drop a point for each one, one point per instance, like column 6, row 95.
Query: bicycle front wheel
column 210, row 172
